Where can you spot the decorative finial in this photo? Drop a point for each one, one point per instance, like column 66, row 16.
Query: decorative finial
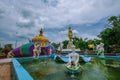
column 69, row 27
column 41, row 32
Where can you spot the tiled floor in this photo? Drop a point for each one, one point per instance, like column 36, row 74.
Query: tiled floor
column 5, row 69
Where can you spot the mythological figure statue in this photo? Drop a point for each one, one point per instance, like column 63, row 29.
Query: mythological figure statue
column 73, row 58
column 37, row 49
column 100, row 49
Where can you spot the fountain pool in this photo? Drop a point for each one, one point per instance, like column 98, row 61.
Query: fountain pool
column 48, row 69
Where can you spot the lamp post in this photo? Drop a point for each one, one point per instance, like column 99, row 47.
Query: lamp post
column 1, row 42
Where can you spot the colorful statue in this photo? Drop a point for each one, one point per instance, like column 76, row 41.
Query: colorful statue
column 29, row 50
column 73, row 58
column 37, row 49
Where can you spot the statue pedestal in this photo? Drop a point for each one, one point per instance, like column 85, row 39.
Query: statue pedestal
column 69, row 46
column 102, row 55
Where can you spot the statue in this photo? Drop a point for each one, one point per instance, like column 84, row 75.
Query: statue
column 73, row 58
column 100, row 49
column 70, row 34
column 10, row 54
column 36, row 50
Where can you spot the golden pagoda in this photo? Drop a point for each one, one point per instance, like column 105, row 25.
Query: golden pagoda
column 90, row 46
column 40, row 38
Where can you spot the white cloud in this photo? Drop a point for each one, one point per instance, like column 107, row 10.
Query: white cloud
column 26, row 17
column 65, row 32
column 75, row 32
column 23, row 20
column 67, row 12
column 89, row 36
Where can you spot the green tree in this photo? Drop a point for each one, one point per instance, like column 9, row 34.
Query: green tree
column 115, row 22
column 56, row 45
column 81, row 44
column 65, row 42
column 110, row 36
column 9, row 46
column 75, row 40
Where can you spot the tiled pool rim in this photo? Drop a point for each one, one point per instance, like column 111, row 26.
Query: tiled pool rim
column 20, row 72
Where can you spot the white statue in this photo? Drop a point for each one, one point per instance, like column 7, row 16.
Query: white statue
column 100, row 48
column 60, row 47
column 73, row 58
column 10, row 54
column 37, row 49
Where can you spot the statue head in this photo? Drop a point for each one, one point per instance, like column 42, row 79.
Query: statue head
column 101, row 45
column 69, row 27
column 36, row 44
column 41, row 32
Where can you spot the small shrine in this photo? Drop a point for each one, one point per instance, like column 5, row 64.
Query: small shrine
column 42, row 40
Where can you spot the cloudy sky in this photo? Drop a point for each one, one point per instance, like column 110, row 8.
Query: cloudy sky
column 22, row 19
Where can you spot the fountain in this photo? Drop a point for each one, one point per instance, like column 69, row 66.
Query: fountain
column 56, row 71
column 73, row 65
column 60, row 58
column 28, row 68
column 45, row 68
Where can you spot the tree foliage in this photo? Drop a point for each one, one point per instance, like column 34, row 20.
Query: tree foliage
column 110, row 36
column 56, row 45
column 65, row 42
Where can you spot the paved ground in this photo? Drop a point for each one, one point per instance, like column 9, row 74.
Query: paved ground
column 5, row 69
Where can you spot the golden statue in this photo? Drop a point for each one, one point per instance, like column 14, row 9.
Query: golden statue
column 70, row 34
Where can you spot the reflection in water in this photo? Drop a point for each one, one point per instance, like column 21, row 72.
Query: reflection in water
column 94, row 71
column 48, row 69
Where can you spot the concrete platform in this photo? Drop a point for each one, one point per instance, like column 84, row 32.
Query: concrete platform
column 7, row 60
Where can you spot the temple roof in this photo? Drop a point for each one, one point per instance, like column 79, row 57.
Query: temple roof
column 40, row 37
